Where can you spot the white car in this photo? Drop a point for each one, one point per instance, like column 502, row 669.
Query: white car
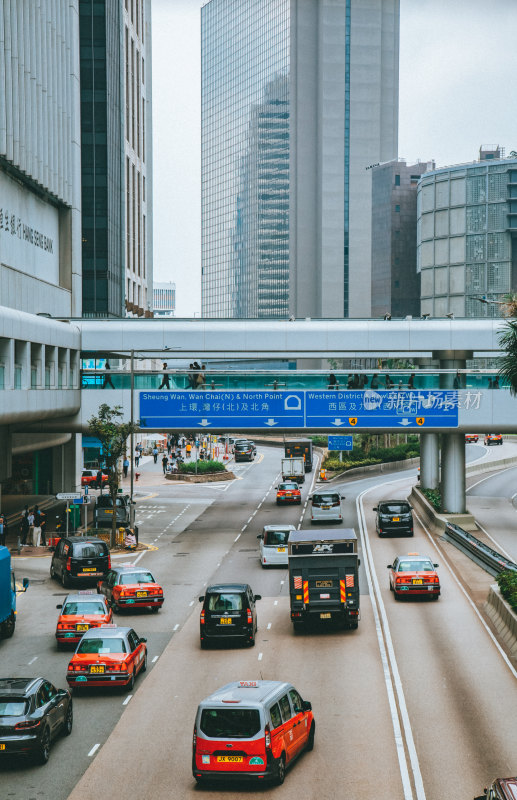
column 326, row 505
column 273, row 544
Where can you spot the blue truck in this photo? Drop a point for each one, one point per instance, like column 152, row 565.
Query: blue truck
column 8, row 594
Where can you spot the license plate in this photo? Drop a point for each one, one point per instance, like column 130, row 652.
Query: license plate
column 97, row 668
column 2, row 746
column 280, row 549
column 326, row 616
column 325, row 508
column 230, row 759
column 141, row 594
column 289, row 494
column 225, row 621
column 395, row 519
column 323, row 584
column 325, row 596
column 82, row 627
column 108, row 510
column 89, row 569
column 417, row 581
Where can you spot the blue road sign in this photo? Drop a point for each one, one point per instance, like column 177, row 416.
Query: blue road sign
column 417, row 409
column 81, row 501
column 237, row 410
column 341, row 443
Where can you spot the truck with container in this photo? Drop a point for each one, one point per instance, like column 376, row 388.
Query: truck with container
column 293, row 469
column 8, row 594
column 323, row 578
column 300, row 448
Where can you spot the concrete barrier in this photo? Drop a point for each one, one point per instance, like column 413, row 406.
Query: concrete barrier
column 503, row 617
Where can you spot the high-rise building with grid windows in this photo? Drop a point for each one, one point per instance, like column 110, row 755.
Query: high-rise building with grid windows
column 299, row 97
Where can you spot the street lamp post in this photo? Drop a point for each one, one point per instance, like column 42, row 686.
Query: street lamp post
column 132, row 444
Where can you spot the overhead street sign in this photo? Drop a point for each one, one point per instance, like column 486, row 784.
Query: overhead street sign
column 234, row 409
column 341, row 443
column 319, row 409
column 68, row 496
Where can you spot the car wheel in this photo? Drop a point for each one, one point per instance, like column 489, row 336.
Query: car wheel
column 155, row 609
column 7, row 628
column 280, row 770
column 69, row 720
column 204, row 645
column 64, row 581
column 52, row 572
column 435, row 597
column 352, row 626
column 310, row 740
column 298, row 627
column 114, row 607
column 143, row 668
column 396, row 595
column 391, row 587
column 43, row 751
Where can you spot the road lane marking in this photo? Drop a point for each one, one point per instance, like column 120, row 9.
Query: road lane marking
column 282, row 583
column 248, row 522
column 191, row 603
column 275, row 603
column 269, row 626
column 32, row 661
column 155, row 659
column 128, row 698
column 493, row 474
column 176, row 627
column 237, row 538
column 260, row 656
column 94, row 750
column 394, row 688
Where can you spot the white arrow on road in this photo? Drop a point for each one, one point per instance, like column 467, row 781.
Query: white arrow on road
column 271, row 422
column 338, row 422
column 204, row 423
column 405, row 421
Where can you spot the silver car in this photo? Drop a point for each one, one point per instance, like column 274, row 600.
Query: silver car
column 327, row 505
column 273, row 544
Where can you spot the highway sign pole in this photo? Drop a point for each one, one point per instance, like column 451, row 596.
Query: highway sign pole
column 67, row 514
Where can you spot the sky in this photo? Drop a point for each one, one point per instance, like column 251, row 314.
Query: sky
column 457, row 68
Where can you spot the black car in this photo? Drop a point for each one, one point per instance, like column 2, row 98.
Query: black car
column 394, row 517
column 228, row 612
column 32, row 714
column 244, row 451
column 79, row 559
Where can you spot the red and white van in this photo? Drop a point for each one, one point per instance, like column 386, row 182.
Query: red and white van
column 251, row 730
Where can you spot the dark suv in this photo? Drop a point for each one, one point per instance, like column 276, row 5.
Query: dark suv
column 394, row 517
column 244, row 451
column 78, row 559
column 32, row 713
column 228, row 612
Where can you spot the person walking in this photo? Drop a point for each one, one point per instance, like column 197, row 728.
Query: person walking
column 24, row 525
column 43, row 526
column 165, row 380
column 125, row 466
column 30, row 520
column 375, row 381
column 107, row 377
column 137, row 458
column 332, row 382
column 411, row 382
column 155, row 454
column 36, row 531
column 165, row 461
column 3, row 528
column 495, row 384
column 98, row 479
column 188, row 449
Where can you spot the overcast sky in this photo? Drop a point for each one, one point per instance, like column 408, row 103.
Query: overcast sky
column 458, row 62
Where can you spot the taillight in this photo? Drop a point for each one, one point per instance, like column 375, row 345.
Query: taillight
column 267, row 737
column 69, row 563
column 335, row 504
column 194, row 737
column 250, row 618
column 25, row 725
column 202, row 618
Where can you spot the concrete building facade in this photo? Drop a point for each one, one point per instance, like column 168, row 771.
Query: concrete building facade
column 395, row 280
column 466, row 233
column 300, row 192
column 164, row 299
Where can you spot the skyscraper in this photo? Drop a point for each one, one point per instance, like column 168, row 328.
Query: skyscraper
column 299, row 97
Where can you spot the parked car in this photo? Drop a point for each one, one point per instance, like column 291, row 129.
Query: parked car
column 78, row 559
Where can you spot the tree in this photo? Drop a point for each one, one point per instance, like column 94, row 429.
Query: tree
column 113, row 436
column 508, row 343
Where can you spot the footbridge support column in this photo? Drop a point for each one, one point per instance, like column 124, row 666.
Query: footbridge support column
column 453, row 473
column 429, row 461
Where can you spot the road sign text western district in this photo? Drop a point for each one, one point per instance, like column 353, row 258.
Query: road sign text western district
column 318, row 409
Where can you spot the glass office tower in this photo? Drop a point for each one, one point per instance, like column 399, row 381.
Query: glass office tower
column 299, row 97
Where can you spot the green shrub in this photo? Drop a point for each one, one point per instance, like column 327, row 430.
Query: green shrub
column 434, row 496
column 508, row 585
column 376, row 455
column 203, row 467
column 319, row 441
column 334, row 464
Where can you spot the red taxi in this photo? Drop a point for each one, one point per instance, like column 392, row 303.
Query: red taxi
column 89, row 477
column 251, row 730
column 493, row 438
column 128, row 586
column 471, row 438
column 79, row 613
column 414, row 574
column 288, row 493
column 107, row 656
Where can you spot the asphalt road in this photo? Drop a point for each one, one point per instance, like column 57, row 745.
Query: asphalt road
column 418, row 703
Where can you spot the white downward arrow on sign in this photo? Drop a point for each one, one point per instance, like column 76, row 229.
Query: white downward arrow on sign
column 337, row 422
column 404, row 421
column 204, row 423
column 271, row 422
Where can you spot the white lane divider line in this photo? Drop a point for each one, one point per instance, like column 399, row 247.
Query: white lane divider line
column 282, row 583
column 155, row 659
column 191, row 603
column 260, row 656
column 248, row 522
column 269, row 626
column 176, row 627
column 243, row 528
column 32, row 661
column 128, row 698
column 254, row 513
column 94, row 750
column 394, row 688
column 237, row 538
column 275, row 603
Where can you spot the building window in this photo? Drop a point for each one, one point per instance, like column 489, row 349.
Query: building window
column 397, row 209
column 397, row 180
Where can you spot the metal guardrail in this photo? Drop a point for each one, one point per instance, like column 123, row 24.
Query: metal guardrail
column 487, row 558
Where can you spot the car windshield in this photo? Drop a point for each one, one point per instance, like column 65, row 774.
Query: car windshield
column 230, row 723
column 225, row 601
column 276, row 537
column 102, row 646
column 288, row 487
column 394, row 508
column 105, row 501
column 243, row 446
column 89, row 549
column 325, row 499
column 90, row 607
column 415, row 566
column 135, row 577
column 12, row 707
